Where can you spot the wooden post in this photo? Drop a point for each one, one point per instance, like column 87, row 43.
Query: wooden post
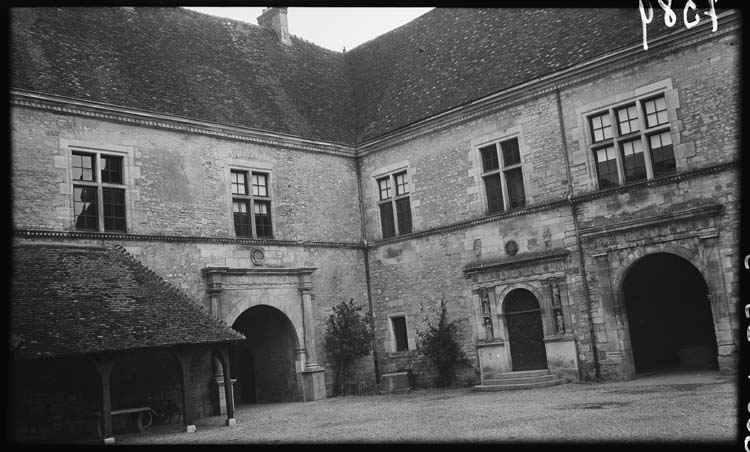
column 184, row 358
column 104, row 365
column 223, row 354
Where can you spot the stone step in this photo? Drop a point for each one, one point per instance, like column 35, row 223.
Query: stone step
column 520, row 380
column 521, row 374
column 512, row 387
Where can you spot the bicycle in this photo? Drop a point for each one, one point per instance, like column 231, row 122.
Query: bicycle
column 166, row 412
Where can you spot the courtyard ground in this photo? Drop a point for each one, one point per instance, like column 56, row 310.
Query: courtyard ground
column 681, row 407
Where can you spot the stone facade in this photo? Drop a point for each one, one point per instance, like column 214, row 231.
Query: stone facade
column 693, row 214
column 570, row 246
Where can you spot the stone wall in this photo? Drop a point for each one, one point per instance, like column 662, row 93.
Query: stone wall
column 449, row 209
column 179, row 181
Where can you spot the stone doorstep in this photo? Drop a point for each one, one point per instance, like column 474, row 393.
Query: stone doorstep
column 521, row 374
column 395, row 383
column 521, row 380
column 511, row 387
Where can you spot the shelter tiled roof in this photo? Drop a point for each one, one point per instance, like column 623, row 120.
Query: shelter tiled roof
column 180, row 62
column 70, row 300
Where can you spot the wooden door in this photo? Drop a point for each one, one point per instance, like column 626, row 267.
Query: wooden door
column 525, row 332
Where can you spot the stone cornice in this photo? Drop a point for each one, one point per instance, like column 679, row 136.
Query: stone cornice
column 669, row 217
column 72, row 235
column 665, row 180
column 115, row 113
column 265, row 271
column 470, row 223
column 658, row 46
column 518, row 260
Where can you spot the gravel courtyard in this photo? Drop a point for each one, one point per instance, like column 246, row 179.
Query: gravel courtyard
column 675, row 407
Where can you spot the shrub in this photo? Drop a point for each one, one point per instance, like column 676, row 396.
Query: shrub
column 348, row 337
column 439, row 345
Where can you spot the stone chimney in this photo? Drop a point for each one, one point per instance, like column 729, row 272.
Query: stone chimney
column 275, row 19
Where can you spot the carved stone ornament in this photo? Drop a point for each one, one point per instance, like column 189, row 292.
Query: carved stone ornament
column 478, row 247
column 554, row 289
column 511, row 247
column 257, row 256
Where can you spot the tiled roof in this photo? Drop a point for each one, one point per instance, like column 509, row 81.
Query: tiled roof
column 449, row 57
column 69, row 300
column 180, row 62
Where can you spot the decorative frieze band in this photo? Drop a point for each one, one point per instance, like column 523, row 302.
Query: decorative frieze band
column 653, row 221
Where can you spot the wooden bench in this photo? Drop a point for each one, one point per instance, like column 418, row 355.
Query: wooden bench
column 137, row 414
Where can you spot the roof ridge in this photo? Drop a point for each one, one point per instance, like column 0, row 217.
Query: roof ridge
column 155, row 277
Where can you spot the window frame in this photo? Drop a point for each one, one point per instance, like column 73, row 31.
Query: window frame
column 394, row 201
column 100, row 187
column 391, row 339
column 400, row 321
column 251, row 201
column 502, row 171
column 619, row 140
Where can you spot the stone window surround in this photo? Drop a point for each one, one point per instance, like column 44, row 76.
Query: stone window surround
column 249, row 167
column 582, row 133
column 129, row 176
column 390, row 341
column 476, row 169
column 390, row 170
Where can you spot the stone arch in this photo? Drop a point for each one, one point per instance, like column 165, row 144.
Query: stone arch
column 540, row 297
column 292, row 311
column 620, row 272
column 667, row 324
column 267, row 365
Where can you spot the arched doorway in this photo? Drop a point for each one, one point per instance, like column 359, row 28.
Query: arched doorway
column 264, row 363
column 669, row 315
column 525, row 331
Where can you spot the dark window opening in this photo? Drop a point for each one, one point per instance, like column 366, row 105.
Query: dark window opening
column 489, row 158
column 633, row 161
column 516, row 193
column 386, row 220
column 606, row 167
column 662, row 154
column 403, row 213
column 399, row 332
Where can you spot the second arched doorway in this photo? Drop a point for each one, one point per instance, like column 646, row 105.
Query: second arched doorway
column 264, row 364
column 669, row 315
column 525, row 331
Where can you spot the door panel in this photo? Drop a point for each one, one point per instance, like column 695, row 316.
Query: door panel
column 525, row 335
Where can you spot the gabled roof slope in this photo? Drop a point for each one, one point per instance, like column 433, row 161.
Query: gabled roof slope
column 180, row 62
column 70, row 300
column 449, row 57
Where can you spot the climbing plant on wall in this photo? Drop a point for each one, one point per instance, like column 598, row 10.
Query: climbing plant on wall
column 348, row 337
column 439, row 344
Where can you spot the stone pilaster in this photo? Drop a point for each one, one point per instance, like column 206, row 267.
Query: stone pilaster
column 313, row 377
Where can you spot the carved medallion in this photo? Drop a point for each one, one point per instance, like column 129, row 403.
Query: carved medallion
column 257, row 256
column 511, row 247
